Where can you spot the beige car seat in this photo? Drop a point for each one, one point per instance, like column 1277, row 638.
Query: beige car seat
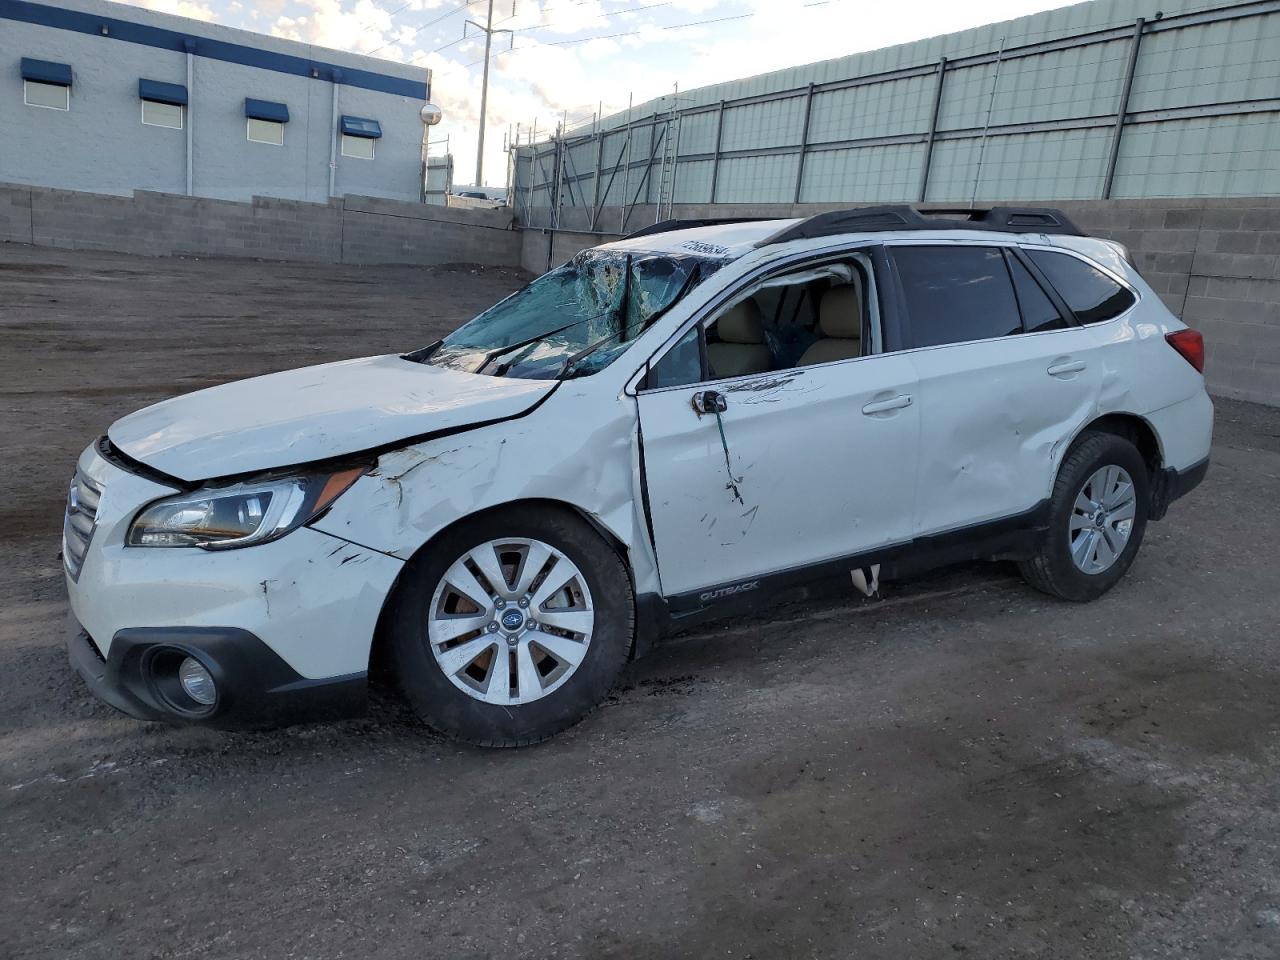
column 741, row 350
column 840, row 323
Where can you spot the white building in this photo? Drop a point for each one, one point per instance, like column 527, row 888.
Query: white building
column 110, row 98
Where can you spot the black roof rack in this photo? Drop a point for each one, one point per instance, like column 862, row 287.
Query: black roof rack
column 902, row 217
column 666, row 226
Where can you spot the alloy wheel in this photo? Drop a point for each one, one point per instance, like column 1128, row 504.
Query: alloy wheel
column 511, row 620
column 1102, row 519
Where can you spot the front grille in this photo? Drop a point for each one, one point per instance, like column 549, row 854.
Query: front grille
column 79, row 524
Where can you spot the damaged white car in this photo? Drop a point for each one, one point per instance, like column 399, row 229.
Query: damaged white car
column 667, row 427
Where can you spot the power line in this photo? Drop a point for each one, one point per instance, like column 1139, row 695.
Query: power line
column 613, row 36
column 430, row 23
column 547, row 26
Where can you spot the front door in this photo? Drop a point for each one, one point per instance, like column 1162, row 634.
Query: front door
column 801, row 466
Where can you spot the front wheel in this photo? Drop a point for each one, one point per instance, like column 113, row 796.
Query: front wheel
column 513, row 627
column 1097, row 517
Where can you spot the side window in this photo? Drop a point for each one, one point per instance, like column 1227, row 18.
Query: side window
column 1089, row 292
column 956, row 294
column 679, row 366
column 1038, row 311
column 812, row 315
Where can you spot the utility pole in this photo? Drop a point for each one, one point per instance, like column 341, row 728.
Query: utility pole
column 488, row 32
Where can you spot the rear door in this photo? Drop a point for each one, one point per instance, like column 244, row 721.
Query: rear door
column 1006, row 378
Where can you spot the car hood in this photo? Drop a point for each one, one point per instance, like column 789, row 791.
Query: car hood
column 313, row 413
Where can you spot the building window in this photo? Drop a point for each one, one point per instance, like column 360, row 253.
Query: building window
column 51, row 95
column 161, row 114
column 358, row 134
column 266, row 120
column 266, row 131
column 359, row 147
column 163, row 104
column 46, row 84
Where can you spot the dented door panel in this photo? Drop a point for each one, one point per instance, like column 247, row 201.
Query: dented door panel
column 995, row 419
column 793, row 471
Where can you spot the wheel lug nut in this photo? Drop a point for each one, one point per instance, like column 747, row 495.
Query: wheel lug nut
column 500, row 604
column 511, row 641
column 524, row 601
column 493, row 626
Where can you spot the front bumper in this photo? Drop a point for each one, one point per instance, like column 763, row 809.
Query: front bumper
column 286, row 626
column 255, row 687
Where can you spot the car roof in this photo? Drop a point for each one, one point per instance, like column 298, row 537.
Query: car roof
column 729, row 241
column 723, row 240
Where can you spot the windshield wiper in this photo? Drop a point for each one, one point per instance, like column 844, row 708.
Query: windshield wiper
column 494, row 354
column 422, row 354
column 527, row 346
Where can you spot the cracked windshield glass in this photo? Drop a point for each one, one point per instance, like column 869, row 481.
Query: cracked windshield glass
column 575, row 320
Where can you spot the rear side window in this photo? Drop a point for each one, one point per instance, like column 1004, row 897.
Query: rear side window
column 1038, row 311
column 956, row 294
column 1090, row 293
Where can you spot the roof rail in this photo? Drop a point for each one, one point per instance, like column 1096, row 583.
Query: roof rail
column 666, row 226
column 902, row 217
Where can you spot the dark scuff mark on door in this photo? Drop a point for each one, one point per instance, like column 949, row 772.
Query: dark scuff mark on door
column 756, row 386
column 732, row 485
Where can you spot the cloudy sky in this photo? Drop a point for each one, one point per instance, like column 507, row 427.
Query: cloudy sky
column 565, row 56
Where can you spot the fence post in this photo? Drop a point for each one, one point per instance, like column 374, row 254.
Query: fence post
column 804, row 142
column 595, row 186
column 933, row 129
column 1122, row 108
column 715, row 158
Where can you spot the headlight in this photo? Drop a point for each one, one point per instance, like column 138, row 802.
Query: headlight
column 238, row 515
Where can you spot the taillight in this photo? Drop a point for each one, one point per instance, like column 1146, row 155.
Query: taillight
column 1190, row 344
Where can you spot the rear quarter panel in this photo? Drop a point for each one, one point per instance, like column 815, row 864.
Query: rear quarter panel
column 1141, row 374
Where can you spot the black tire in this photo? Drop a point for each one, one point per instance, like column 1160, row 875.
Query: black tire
column 449, row 710
column 1051, row 570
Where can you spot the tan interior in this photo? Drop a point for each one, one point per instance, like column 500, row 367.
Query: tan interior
column 741, row 350
column 840, row 323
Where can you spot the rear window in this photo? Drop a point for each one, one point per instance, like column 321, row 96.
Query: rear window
column 1091, row 294
column 1038, row 311
column 956, row 294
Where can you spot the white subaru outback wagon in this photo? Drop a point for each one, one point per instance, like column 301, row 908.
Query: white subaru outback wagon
column 665, row 428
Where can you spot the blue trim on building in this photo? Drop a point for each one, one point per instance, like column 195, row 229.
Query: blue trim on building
column 360, row 127
column 79, row 22
column 46, row 71
column 266, row 110
column 159, row 92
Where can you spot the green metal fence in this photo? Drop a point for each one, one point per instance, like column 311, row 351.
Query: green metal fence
column 1087, row 102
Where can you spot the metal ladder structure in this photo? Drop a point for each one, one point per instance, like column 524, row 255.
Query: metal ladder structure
column 667, row 174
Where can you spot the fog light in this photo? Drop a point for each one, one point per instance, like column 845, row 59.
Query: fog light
column 197, row 682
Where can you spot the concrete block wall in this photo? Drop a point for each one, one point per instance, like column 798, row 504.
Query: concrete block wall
column 349, row 230
column 384, row 231
column 1214, row 262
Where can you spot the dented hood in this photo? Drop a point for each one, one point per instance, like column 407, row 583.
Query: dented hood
column 313, row 413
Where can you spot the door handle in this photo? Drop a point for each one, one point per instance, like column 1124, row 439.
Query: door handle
column 709, row 401
column 1065, row 368
column 884, row 406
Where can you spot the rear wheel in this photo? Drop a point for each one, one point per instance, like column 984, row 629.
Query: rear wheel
column 513, row 627
column 1097, row 518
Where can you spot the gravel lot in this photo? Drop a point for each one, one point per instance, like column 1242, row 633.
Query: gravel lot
column 962, row 769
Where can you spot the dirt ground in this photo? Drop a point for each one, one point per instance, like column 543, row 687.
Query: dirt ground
column 965, row 768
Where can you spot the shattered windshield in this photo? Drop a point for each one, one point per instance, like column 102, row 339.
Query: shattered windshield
column 575, row 320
